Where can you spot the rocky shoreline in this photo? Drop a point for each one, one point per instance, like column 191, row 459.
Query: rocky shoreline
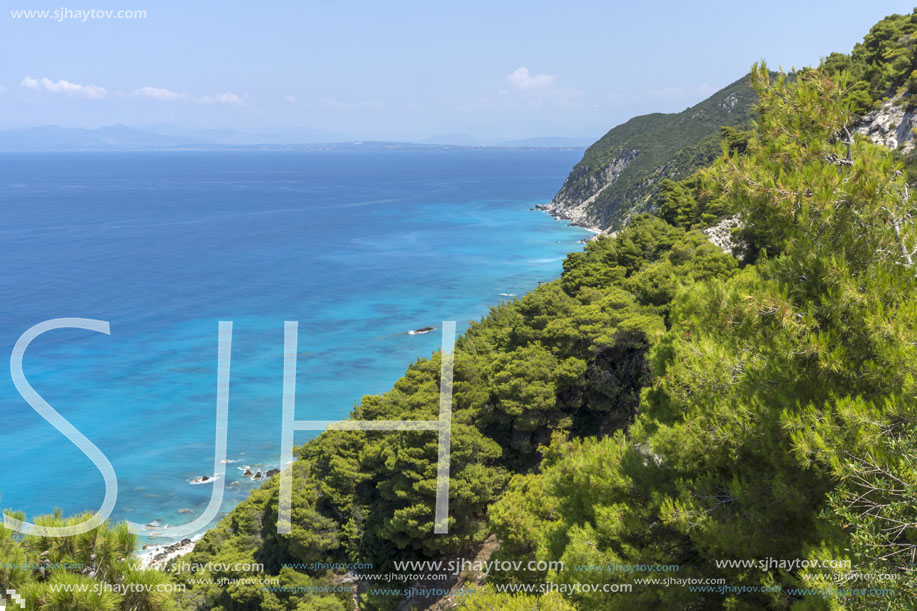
column 580, row 191
column 576, row 216
column 560, row 214
column 153, row 556
column 159, row 555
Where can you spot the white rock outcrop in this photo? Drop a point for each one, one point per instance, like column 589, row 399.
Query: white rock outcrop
column 721, row 234
column 891, row 125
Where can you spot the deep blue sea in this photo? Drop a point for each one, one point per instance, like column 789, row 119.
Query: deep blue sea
column 359, row 247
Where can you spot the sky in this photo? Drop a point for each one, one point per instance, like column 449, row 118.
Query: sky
column 398, row 70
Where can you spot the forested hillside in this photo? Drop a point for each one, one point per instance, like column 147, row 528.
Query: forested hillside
column 619, row 176
column 750, row 421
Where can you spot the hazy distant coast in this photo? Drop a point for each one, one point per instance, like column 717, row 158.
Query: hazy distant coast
column 124, row 138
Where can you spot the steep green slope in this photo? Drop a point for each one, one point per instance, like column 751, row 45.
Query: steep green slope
column 781, row 422
column 568, row 357
column 620, row 174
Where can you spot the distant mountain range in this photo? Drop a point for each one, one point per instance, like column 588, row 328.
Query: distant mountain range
column 542, row 142
column 54, row 137
column 164, row 137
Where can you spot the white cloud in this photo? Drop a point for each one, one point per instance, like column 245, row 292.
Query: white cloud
column 66, row 87
column 520, row 80
column 149, row 92
column 158, row 93
column 291, row 99
column 227, row 97
column 2, row 89
column 532, row 91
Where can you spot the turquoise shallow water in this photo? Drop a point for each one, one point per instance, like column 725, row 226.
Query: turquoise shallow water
column 359, row 247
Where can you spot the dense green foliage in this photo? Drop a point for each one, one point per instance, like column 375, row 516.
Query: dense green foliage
column 883, row 66
column 887, row 57
column 781, row 423
column 697, row 201
column 95, row 571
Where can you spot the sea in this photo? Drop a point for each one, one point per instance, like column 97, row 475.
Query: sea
column 359, row 247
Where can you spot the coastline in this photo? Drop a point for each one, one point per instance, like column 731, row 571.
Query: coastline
column 558, row 215
column 156, row 557
column 155, row 553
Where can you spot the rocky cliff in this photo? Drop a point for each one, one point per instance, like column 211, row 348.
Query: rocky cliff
column 574, row 204
column 891, row 125
column 618, row 175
